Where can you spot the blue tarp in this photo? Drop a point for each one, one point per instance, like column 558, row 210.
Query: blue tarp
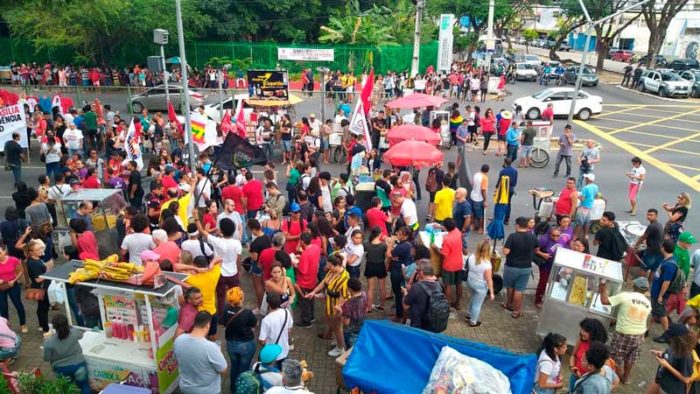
column 389, row 358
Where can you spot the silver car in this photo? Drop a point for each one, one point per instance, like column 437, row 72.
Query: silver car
column 153, row 99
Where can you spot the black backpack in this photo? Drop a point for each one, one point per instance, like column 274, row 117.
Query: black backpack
column 438, row 309
column 619, row 244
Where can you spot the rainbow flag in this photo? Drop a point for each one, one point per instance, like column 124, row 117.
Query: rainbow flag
column 198, row 129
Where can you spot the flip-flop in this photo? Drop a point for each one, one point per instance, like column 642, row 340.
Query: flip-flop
column 506, row 307
column 516, row 315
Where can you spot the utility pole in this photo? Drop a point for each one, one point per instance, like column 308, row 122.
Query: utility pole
column 160, row 37
column 185, row 86
column 490, row 41
column 420, row 4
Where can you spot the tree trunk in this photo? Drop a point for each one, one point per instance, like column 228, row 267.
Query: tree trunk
column 527, row 47
column 553, row 50
column 601, row 48
column 655, row 42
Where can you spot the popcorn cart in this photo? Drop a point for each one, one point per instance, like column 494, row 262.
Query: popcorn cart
column 572, row 292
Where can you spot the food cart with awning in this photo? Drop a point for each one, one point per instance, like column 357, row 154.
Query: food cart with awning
column 136, row 343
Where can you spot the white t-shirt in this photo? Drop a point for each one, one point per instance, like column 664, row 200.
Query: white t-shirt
column 476, row 271
column 549, row 367
column 315, row 127
column 57, row 192
column 193, row 246
column 137, row 243
column 408, row 210
column 235, row 218
column 637, row 172
column 271, row 327
column 479, row 183
column 228, row 249
column 354, row 250
column 326, row 198
column 73, row 138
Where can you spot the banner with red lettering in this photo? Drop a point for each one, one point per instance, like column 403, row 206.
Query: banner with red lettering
column 13, row 120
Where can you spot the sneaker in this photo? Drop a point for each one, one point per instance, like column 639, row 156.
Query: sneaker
column 47, row 334
column 24, row 329
column 661, row 339
column 304, row 325
column 334, row 342
column 377, row 307
column 336, row 352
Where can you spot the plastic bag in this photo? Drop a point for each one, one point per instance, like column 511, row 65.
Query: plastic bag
column 456, row 373
column 55, row 292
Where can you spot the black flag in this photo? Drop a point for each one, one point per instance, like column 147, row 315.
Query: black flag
column 236, row 152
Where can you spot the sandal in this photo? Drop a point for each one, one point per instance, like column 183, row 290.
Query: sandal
column 324, row 336
column 516, row 315
column 506, row 307
column 477, row 324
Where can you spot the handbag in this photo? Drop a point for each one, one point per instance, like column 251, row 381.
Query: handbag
column 35, row 294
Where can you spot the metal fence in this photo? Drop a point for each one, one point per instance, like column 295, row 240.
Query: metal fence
column 259, row 55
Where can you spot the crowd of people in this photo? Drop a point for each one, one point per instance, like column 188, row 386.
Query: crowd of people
column 306, row 241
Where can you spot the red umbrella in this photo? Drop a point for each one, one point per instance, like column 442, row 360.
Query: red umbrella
column 409, row 132
column 416, row 100
column 413, row 154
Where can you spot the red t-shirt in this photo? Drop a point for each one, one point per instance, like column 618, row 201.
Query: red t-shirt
column 233, row 192
column 253, row 191
column 87, row 245
column 292, row 228
column 8, row 270
column 452, row 251
column 168, row 251
column 210, row 220
column 169, row 182
column 377, row 218
column 265, row 260
column 91, row 183
column 307, row 271
column 548, row 114
column 185, row 319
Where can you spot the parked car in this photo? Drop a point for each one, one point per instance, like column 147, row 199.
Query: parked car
column 153, row 98
column 525, row 72
column 542, row 43
column 623, row 56
column 561, row 98
column 664, row 83
column 612, row 51
column 660, row 61
column 589, row 77
column 212, row 110
column 565, row 46
column 692, row 76
column 533, row 60
column 683, row 64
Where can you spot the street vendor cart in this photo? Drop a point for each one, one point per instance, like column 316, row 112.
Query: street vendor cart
column 136, row 345
column 107, row 203
column 572, row 292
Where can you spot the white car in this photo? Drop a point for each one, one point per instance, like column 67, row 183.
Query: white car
column 586, row 103
column 212, row 110
column 533, row 60
column 525, row 71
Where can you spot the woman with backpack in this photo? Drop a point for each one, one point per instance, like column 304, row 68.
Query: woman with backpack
column 548, row 378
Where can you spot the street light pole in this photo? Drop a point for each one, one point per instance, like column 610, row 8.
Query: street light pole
column 185, row 86
column 165, row 74
column 589, row 29
column 416, row 38
column 490, row 41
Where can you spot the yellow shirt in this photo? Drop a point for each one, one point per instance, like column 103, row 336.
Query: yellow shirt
column 184, row 203
column 444, row 201
column 206, row 283
column 632, row 314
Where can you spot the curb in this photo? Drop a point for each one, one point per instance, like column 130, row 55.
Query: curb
column 675, row 100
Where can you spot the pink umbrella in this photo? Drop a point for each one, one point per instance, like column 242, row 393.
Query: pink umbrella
column 413, row 154
column 416, row 100
column 409, row 132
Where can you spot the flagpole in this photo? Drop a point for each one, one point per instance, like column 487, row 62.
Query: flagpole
column 185, row 84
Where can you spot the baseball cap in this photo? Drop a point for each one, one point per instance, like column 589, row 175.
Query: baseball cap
column 641, row 283
column 312, row 115
column 676, row 330
column 590, row 177
column 149, row 255
column 269, row 353
column 295, row 207
column 687, row 237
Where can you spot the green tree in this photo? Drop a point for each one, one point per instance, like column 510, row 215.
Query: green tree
column 529, row 35
column 658, row 17
column 100, row 30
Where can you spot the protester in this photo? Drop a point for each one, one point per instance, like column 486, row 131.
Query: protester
column 519, row 250
column 592, row 331
column 239, row 323
column 636, row 176
column 200, row 361
column 480, row 281
column 676, row 363
column 417, row 299
column 276, row 326
column 548, row 377
column 292, row 379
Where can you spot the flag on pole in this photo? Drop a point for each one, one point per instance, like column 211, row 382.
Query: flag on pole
column 198, row 130
column 132, row 144
column 366, row 93
column 358, row 124
column 240, row 121
column 172, row 117
column 226, row 124
column 236, row 152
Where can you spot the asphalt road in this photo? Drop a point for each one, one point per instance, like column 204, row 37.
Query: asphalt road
column 645, row 125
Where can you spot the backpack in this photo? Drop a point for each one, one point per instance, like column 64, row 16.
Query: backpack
column 431, row 182
column 438, row 309
column 619, row 244
column 678, row 281
column 300, row 183
column 250, row 382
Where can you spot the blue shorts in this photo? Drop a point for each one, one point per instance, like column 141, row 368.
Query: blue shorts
column 651, row 261
column 287, row 145
column 255, row 268
column 324, row 143
column 477, row 209
column 516, row 278
column 526, row 151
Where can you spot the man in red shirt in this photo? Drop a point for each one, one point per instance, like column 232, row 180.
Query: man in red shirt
column 452, row 262
column 234, row 193
column 307, row 272
column 292, row 228
column 267, row 256
column 376, row 217
column 188, row 311
column 168, row 179
column 253, row 195
column 568, row 200
column 548, row 114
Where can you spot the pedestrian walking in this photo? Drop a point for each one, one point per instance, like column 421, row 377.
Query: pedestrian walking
column 566, row 148
column 636, row 176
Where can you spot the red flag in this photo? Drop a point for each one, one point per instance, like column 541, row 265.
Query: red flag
column 367, row 92
column 240, row 122
column 99, row 111
column 226, row 124
column 172, row 116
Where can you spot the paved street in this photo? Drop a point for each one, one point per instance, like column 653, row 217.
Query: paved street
column 660, row 132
